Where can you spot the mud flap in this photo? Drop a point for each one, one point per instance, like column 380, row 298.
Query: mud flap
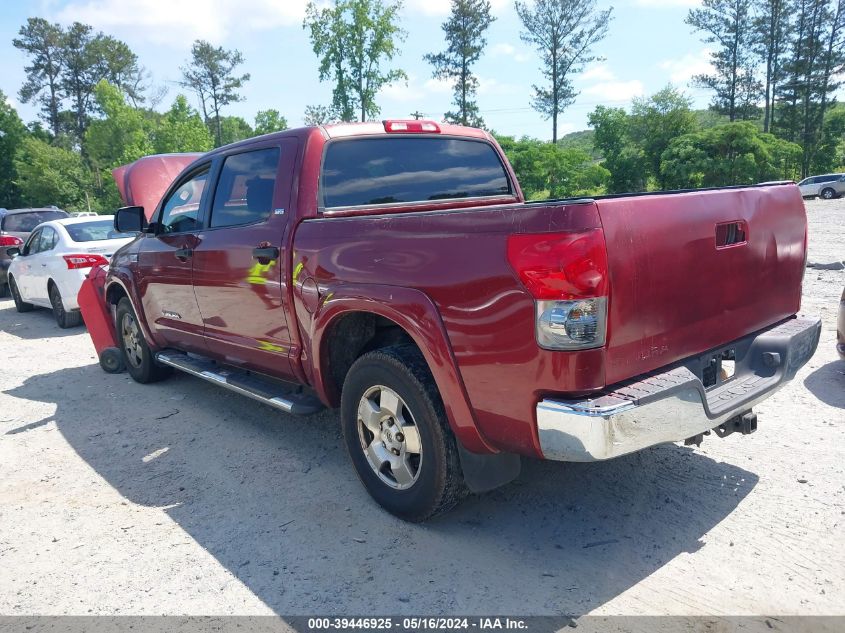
column 483, row 473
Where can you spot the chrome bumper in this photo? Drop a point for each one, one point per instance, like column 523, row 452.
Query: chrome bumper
column 673, row 405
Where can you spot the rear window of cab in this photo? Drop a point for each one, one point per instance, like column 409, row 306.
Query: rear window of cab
column 402, row 170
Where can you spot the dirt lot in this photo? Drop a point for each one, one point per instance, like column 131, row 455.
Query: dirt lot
column 179, row 498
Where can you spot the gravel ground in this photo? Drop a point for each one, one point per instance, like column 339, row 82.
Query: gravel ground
column 179, row 498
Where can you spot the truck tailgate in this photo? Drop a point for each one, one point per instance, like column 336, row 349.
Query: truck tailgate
column 693, row 271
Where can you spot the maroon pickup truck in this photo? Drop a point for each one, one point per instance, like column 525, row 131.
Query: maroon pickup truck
column 394, row 270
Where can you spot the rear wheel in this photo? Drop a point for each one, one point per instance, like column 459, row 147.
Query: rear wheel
column 136, row 353
column 63, row 318
column 828, row 193
column 397, row 435
column 20, row 304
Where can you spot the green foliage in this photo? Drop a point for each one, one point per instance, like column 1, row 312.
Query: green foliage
column 830, row 151
column 232, row 129
column 319, row 115
column 563, row 32
column 583, row 140
column 121, row 136
column 549, row 170
column 353, row 39
column 658, row 119
column 12, row 133
column 730, row 154
column 623, row 157
column 42, row 42
column 51, row 175
column 465, row 42
column 267, row 121
column 181, row 129
column 211, row 75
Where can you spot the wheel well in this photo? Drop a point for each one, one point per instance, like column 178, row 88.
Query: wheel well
column 350, row 337
column 115, row 293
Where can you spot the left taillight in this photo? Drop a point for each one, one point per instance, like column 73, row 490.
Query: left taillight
column 84, row 261
column 566, row 273
column 10, row 240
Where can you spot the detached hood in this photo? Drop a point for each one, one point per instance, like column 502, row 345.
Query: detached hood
column 145, row 181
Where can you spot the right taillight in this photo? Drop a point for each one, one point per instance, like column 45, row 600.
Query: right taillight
column 567, row 275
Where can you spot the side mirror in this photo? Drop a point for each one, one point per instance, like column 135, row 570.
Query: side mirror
column 13, row 251
column 130, row 220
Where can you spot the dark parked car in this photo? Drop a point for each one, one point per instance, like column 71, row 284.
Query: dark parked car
column 15, row 227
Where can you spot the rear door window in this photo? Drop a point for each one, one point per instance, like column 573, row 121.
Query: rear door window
column 398, row 170
column 25, row 222
column 244, row 193
column 48, row 240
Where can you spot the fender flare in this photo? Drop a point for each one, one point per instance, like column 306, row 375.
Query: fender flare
column 123, row 280
column 416, row 314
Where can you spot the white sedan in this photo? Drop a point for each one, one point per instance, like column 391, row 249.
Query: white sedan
column 51, row 265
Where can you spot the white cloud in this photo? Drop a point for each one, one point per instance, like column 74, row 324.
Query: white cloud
column 683, row 69
column 179, row 22
column 615, row 90
column 598, row 72
column 13, row 102
column 503, row 49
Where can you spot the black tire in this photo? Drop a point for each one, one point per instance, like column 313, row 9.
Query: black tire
column 64, row 319
column 138, row 359
column 20, row 304
column 111, row 360
column 438, row 484
column 828, row 193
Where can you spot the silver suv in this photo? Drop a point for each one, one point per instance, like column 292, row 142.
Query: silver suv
column 828, row 186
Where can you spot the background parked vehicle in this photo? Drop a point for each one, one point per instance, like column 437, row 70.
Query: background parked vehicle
column 828, row 186
column 51, row 266
column 15, row 227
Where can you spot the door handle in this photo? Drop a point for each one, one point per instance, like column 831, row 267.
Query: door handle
column 266, row 252
column 183, row 254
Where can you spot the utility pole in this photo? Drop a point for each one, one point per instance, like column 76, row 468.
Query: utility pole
column 417, row 114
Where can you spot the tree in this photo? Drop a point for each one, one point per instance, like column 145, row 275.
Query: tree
column 43, row 43
column 730, row 154
column 211, row 75
column 564, row 33
column 121, row 136
column 319, row 115
column 232, row 129
column 80, row 73
column 181, row 129
column 548, row 170
column 51, row 175
column 353, row 40
column 117, row 64
column 728, row 23
column 12, row 133
column 465, row 42
column 267, row 121
column 623, row 157
column 770, row 41
column 658, row 119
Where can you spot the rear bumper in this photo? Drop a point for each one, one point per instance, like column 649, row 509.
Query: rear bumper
column 673, row 405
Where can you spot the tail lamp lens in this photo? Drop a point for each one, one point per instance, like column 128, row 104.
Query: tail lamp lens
column 567, row 275
column 84, row 261
column 10, row 240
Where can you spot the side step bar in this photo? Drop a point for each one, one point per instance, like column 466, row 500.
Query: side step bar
column 279, row 395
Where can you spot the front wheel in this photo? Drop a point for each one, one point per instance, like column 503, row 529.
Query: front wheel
column 136, row 353
column 828, row 193
column 397, row 435
column 20, row 304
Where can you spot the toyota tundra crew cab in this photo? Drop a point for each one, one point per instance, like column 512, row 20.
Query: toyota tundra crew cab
column 395, row 271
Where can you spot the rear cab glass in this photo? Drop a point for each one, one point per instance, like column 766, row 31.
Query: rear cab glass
column 410, row 169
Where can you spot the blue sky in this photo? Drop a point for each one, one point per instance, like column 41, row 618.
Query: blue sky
column 648, row 46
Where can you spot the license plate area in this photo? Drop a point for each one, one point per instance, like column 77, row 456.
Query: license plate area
column 718, row 368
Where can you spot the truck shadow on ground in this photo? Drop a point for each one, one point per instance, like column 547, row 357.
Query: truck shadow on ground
column 274, row 500
column 827, row 383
